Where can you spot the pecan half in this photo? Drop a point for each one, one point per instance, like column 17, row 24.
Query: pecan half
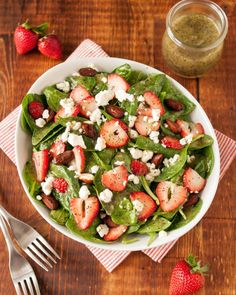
column 64, row 158
column 192, row 200
column 50, row 202
column 157, row 159
column 89, row 130
column 90, row 72
column 115, row 111
column 174, row 104
column 174, row 127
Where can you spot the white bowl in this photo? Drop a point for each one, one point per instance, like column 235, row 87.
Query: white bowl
column 23, row 149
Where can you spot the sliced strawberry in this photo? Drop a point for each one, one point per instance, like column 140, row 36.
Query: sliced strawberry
column 145, row 125
column 86, row 177
column 116, row 82
column 60, row 185
column 88, row 105
column 108, row 221
column 170, row 195
column 171, row 142
column 57, row 148
column 149, row 205
column 79, row 93
column 113, row 132
column 174, row 127
column 79, row 158
column 41, row 162
column 116, row 179
column 36, row 109
column 190, row 128
column 193, row 181
column 115, row 232
column 139, row 167
column 62, row 113
column 154, row 102
column 84, row 211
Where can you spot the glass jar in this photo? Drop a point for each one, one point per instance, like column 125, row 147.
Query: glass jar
column 194, row 37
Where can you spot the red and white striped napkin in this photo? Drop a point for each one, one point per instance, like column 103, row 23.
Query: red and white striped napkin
column 110, row 259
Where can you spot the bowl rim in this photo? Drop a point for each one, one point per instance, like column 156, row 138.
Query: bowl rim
column 173, row 235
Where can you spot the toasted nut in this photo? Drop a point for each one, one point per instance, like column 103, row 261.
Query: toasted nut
column 108, row 221
column 51, row 116
column 174, row 127
column 50, row 202
column 86, row 177
column 90, row 72
column 64, row 158
column 192, row 200
column 157, row 159
column 174, row 104
column 89, row 130
column 115, row 111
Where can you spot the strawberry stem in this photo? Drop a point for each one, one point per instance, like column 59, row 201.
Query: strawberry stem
column 196, row 265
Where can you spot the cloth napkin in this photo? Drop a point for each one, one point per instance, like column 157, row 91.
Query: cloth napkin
column 110, row 259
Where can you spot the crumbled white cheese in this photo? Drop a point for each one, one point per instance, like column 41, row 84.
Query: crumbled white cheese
column 103, row 215
column 45, row 114
column 102, row 230
column 121, row 95
column 145, row 118
column 40, row 122
column 131, row 120
column 119, row 163
column 166, row 125
column 65, row 134
column 106, row 196
column 156, row 114
column 154, row 136
column 153, row 172
column 84, row 192
column 104, row 119
column 47, row 185
column 122, row 150
column 140, row 98
column 126, row 113
column 68, row 105
column 162, row 234
column 94, row 169
column 163, row 145
column 133, row 178
column 147, row 155
column 133, row 133
column 92, row 66
column 186, row 140
column 75, row 74
column 170, row 161
column 190, row 159
column 75, row 140
column 63, row 86
column 104, row 96
column 75, row 125
column 86, row 177
column 104, row 79
column 135, row 153
column 100, row 144
column 95, row 116
column 38, row 197
column 138, row 206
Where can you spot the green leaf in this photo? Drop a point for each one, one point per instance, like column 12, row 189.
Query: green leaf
column 123, row 212
column 46, row 132
column 63, row 121
column 88, row 82
column 122, row 157
column 136, row 76
column 53, row 97
column 126, row 240
column 124, row 71
column 29, row 176
column 201, row 143
column 152, row 238
column 166, row 215
column 148, row 190
column 60, row 216
column 24, row 124
column 156, row 225
column 99, row 161
column 106, row 155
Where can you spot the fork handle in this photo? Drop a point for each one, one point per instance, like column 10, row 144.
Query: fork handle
column 5, row 214
column 7, row 236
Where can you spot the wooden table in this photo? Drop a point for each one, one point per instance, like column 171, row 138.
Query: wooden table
column 133, row 30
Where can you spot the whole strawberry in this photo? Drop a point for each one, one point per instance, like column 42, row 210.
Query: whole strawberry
column 187, row 277
column 50, row 46
column 26, row 37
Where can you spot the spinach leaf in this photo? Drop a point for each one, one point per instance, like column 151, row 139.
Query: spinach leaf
column 122, row 157
column 45, row 133
column 168, row 172
column 24, row 124
column 123, row 212
column 136, row 76
column 99, row 161
column 156, row 225
column 152, row 238
column 60, row 216
column 148, row 189
column 126, row 240
column 129, row 107
column 63, row 121
column 53, row 97
column 29, row 176
column 98, row 181
column 124, row 71
column 145, row 143
column 178, row 178
column 202, row 142
column 106, row 155
column 133, row 228
column 100, row 85
column 209, row 155
column 88, row 82
column 166, row 215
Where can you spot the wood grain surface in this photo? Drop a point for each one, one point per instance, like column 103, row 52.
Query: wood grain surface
column 129, row 29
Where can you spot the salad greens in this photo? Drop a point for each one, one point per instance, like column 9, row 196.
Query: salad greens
column 118, row 156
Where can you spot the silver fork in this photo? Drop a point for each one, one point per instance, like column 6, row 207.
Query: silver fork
column 22, row 274
column 31, row 242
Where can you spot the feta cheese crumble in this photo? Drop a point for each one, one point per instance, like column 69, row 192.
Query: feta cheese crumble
column 135, row 153
column 147, row 155
column 84, row 192
column 156, row 114
column 190, row 159
column 95, row 116
column 171, row 161
column 47, row 185
column 45, row 114
column 63, row 86
column 106, row 196
column 104, row 96
column 100, row 144
column 186, row 140
column 68, row 105
column 119, row 163
column 75, row 140
column 133, row 178
column 153, row 172
column 154, row 136
column 121, row 95
column 38, row 197
column 140, row 98
column 133, row 133
column 75, row 125
column 66, row 133
column 162, row 234
column 104, row 79
column 40, row 122
column 131, row 120
column 138, row 206
column 94, row 169
column 102, row 230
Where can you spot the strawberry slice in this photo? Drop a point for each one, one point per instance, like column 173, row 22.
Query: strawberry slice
column 171, row 142
column 62, row 113
column 84, row 211
column 116, row 179
column 116, row 82
column 57, row 148
column 193, row 181
column 115, row 232
column 170, row 195
column 145, row 125
column 36, row 109
column 151, row 102
column 88, row 105
column 149, row 205
column 114, row 133
column 190, row 128
column 174, row 127
column 79, row 158
column 139, row 167
column 41, row 162
column 79, row 93
column 86, row 177
column 108, row 221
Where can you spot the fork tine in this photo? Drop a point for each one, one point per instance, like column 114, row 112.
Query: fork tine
column 33, row 257
column 30, row 287
column 35, row 284
column 38, row 253
column 38, row 245
column 22, row 283
column 45, row 243
column 18, row 291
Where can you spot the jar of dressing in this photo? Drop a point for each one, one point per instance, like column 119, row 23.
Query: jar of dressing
column 194, row 37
